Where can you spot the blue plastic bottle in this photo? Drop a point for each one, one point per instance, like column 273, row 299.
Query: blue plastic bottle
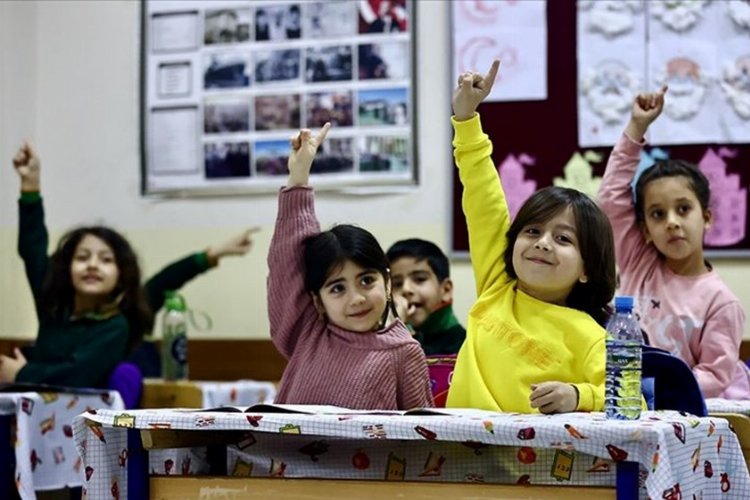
column 622, row 398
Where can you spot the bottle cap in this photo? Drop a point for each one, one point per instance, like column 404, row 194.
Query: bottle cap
column 623, row 302
column 174, row 301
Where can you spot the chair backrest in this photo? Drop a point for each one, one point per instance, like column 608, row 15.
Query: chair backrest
column 675, row 386
column 440, row 368
column 127, row 379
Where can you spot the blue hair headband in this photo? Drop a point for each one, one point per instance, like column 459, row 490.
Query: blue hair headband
column 648, row 159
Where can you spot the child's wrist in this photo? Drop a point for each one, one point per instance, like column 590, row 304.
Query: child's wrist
column 212, row 257
column 462, row 117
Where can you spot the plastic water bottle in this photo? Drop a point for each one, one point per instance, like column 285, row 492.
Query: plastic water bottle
column 174, row 338
column 622, row 398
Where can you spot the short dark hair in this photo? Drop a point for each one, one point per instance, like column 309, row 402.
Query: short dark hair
column 422, row 250
column 595, row 242
column 57, row 293
column 672, row 168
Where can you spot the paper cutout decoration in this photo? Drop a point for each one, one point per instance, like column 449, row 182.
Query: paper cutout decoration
column 512, row 172
column 729, row 209
column 610, row 17
column 609, row 89
column 687, row 87
column 579, row 174
column 735, row 82
column 678, row 15
column 739, row 12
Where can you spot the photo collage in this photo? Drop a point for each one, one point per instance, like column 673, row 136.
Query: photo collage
column 258, row 71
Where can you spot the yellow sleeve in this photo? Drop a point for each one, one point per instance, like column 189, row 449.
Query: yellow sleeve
column 591, row 392
column 483, row 201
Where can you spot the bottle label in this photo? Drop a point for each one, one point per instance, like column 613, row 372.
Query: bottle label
column 179, row 349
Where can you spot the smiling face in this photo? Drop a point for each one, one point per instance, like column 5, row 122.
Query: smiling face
column 547, row 258
column 93, row 272
column 675, row 222
column 353, row 298
column 415, row 280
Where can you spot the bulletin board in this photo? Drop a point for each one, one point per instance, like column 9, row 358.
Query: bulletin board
column 542, row 137
column 225, row 83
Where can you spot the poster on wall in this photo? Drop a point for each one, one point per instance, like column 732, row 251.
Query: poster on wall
column 699, row 49
column 512, row 31
column 226, row 83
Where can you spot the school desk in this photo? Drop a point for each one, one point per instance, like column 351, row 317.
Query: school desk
column 38, row 427
column 674, row 456
column 738, row 415
column 159, row 393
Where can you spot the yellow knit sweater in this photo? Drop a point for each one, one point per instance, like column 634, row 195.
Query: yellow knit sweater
column 513, row 340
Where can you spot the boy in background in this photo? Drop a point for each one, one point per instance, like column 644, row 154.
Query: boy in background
column 420, row 274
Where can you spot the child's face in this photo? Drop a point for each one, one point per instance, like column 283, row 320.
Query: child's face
column 93, row 270
column 416, row 281
column 353, row 298
column 674, row 220
column 547, row 259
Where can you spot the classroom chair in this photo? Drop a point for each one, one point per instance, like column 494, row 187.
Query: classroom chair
column 440, row 369
column 670, row 383
column 127, row 379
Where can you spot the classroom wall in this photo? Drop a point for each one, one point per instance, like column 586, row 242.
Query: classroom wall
column 69, row 82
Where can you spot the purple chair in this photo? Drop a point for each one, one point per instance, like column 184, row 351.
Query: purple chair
column 127, row 379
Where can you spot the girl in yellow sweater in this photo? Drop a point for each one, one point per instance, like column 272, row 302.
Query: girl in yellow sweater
column 534, row 338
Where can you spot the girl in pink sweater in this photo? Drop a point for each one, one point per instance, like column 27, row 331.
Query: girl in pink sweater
column 330, row 308
column 682, row 304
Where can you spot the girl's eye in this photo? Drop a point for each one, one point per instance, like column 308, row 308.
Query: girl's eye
column 683, row 209
column 564, row 239
column 531, row 230
column 397, row 285
column 368, row 280
column 336, row 289
column 657, row 214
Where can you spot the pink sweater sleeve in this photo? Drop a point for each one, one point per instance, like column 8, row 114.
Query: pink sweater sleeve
column 718, row 354
column 616, row 199
column 291, row 312
column 413, row 380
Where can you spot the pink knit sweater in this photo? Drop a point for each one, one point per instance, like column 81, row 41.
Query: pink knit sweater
column 384, row 369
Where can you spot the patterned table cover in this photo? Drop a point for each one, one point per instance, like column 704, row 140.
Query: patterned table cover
column 719, row 405
column 46, row 456
column 236, row 393
column 679, row 456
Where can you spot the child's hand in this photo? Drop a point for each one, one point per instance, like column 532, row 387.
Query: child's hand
column 10, row 366
column 303, row 151
column 472, row 89
column 554, row 397
column 239, row 245
column 26, row 163
column 646, row 109
column 404, row 310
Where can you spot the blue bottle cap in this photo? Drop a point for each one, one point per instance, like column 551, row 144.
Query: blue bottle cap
column 623, row 302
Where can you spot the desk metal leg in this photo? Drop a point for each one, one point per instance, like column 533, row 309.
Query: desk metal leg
column 7, row 458
column 627, row 480
column 137, row 466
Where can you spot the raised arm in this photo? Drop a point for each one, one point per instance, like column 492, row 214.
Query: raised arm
column 33, row 239
column 175, row 275
column 719, row 349
column 483, row 201
column 290, row 306
column 615, row 194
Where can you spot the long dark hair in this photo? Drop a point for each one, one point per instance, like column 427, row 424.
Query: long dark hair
column 57, row 294
column 595, row 242
column 328, row 250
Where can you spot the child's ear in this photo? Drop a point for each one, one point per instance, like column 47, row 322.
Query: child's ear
column 708, row 218
column 318, row 304
column 446, row 290
column 646, row 234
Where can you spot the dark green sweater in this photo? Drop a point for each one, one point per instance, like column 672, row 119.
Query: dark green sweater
column 441, row 333
column 81, row 352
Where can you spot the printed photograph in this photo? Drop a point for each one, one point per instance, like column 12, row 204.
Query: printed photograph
column 335, row 156
column 328, row 64
column 386, row 61
column 226, row 26
column 226, row 70
column 383, row 154
column 275, row 112
column 227, row 159
column 226, row 117
column 383, row 106
column 335, row 18
column 334, row 107
column 383, row 16
column 271, row 157
column 278, row 22
column 277, row 65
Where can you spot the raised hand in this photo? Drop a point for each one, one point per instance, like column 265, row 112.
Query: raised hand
column 11, row 365
column 238, row 245
column 646, row 108
column 471, row 91
column 26, row 163
column 554, row 397
column 304, row 147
